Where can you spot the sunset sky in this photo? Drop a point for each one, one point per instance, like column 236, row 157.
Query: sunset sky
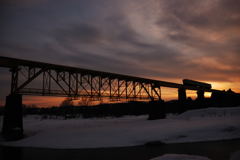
column 160, row 39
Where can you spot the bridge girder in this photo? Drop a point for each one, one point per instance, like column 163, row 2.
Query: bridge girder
column 53, row 82
column 38, row 78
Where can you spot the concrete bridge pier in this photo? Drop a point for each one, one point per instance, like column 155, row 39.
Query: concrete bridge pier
column 200, row 95
column 182, row 99
column 182, row 96
column 13, row 121
column 156, row 110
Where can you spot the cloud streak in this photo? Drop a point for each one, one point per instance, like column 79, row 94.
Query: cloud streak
column 166, row 39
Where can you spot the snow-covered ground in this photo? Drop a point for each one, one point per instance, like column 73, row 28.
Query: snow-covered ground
column 235, row 156
column 191, row 126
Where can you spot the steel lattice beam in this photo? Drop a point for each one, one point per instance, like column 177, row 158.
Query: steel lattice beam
column 58, row 80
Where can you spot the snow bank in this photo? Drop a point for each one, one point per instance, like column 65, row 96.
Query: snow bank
column 180, row 157
column 192, row 126
column 210, row 112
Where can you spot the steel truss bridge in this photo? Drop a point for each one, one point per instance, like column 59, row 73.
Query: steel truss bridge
column 44, row 79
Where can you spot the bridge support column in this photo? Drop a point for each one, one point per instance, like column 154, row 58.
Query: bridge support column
column 156, row 110
column 182, row 96
column 200, row 95
column 12, row 121
column 182, row 99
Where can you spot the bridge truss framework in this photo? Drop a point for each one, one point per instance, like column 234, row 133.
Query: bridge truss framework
column 54, row 82
column 44, row 79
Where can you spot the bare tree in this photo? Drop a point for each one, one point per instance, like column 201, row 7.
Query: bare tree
column 84, row 101
column 66, row 102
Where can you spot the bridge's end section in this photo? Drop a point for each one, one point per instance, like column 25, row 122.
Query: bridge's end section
column 13, row 122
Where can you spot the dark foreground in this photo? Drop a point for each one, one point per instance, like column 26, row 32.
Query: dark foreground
column 215, row 150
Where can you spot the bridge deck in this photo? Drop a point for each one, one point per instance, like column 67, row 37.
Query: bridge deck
column 74, row 78
column 13, row 62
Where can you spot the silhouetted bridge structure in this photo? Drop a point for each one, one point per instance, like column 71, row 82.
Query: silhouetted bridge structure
column 44, row 79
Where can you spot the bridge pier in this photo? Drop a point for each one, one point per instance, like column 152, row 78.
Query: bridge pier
column 13, row 122
column 182, row 96
column 200, row 95
column 156, row 110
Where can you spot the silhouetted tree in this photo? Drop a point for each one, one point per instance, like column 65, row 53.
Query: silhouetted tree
column 84, row 101
column 66, row 102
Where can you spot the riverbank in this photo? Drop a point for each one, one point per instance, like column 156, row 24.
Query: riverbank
column 192, row 126
column 214, row 150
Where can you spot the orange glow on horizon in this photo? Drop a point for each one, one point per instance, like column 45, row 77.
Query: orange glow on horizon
column 234, row 86
column 41, row 101
column 166, row 93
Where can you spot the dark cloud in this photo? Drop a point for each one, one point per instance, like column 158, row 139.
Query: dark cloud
column 82, row 33
column 215, row 15
column 140, row 59
column 191, row 23
column 230, row 5
column 186, row 39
